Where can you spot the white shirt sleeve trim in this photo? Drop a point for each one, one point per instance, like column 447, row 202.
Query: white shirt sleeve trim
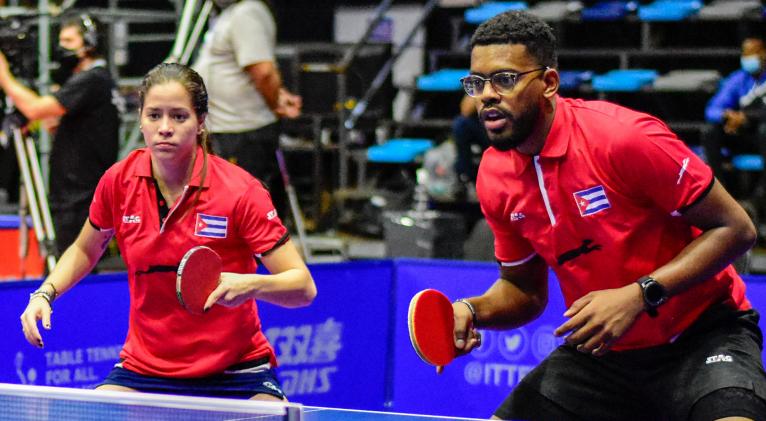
column 518, row 262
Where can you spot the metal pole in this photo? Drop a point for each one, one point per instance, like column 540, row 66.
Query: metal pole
column 341, row 68
column 207, row 7
column 181, row 53
column 354, row 50
column 294, row 206
column 43, row 67
column 183, row 29
column 380, row 78
column 343, row 134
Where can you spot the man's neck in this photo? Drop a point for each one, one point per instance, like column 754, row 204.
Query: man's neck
column 85, row 64
column 536, row 141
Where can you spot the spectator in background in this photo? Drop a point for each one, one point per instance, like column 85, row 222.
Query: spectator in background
column 736, row 111
column 247, row 98
column 468, row 131
column 83, row 117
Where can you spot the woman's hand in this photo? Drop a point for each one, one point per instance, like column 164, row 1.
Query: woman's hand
column 233, row 290
column 37, row 309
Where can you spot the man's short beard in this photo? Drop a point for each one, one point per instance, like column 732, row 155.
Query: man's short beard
column 524, row 125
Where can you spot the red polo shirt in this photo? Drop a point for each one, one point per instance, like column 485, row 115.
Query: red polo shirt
column 601, row 205
column 163, row 338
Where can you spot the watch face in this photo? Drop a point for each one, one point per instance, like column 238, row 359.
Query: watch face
column 654, row 293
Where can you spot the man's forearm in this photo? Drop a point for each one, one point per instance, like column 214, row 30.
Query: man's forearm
column 32, row 105
column 267, row 81
column 21, row 96
column 504, row 306
column 269, row 88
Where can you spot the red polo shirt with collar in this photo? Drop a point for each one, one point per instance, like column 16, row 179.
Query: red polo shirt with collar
column 163, row 338
column 601, row 205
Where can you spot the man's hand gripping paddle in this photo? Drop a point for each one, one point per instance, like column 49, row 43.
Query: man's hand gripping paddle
column 198, row 275
column 432, row 327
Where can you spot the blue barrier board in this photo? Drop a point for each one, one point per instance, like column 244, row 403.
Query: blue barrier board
column 349, row 349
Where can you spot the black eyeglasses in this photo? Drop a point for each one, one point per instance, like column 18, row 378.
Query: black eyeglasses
column 502, row 82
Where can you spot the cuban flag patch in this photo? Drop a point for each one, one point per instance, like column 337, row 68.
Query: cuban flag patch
column 592, row 200
column 211, row 226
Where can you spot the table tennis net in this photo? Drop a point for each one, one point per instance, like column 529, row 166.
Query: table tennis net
column 22, row 403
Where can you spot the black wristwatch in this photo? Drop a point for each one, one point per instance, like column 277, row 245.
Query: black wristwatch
column 654, row 294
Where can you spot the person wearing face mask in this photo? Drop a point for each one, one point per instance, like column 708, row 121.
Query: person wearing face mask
column 83, row 117
column 735, row 112
column 238, row 62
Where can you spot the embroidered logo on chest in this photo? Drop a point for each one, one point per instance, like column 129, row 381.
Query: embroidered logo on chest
column 591, row 200
column 211, row 226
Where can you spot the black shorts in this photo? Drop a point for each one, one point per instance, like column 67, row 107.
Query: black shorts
column 721, row 350
column 242, row 381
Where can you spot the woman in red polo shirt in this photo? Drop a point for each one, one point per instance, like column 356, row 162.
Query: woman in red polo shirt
column 156, row 202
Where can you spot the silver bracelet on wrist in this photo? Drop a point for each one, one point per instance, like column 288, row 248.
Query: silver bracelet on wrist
column 471, row 308
column 53, row 294
column 48, row 297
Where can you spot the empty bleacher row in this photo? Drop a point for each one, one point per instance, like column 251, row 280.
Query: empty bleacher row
column 664, row 57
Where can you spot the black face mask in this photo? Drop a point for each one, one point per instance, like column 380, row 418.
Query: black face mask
column 67, row 60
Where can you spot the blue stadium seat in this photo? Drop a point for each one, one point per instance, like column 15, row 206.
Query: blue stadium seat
column 609, row 10
column 399, row 150
column 747, row 162
column 444, row 80
column 573, row 79
column 669, row 10
column 628, row 80
column 488, row 10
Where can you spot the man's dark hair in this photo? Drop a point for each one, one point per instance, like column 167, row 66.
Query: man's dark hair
column 90, row 30
column 519, row 28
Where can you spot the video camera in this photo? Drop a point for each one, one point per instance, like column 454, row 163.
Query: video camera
column 18, row 44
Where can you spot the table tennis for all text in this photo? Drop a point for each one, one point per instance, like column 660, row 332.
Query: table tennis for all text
column 40, row 403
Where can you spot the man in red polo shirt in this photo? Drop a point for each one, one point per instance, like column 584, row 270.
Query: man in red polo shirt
column 638, row 232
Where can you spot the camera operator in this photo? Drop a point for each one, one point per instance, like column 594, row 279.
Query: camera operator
column 83, row 118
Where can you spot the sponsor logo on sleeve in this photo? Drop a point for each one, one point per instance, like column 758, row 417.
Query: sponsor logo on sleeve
column 684, row 166
column 131, row 219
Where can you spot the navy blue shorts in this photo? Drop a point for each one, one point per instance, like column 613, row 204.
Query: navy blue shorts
column 241, row 381
column 721, row 350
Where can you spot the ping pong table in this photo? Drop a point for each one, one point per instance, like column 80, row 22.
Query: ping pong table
column 40, row 403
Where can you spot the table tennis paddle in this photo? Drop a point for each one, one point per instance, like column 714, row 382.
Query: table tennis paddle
column 198, row 275
column 431, row 324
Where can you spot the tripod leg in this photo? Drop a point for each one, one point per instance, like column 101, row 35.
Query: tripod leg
column 23, row 235
column 42, row 197
column 31, row 195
